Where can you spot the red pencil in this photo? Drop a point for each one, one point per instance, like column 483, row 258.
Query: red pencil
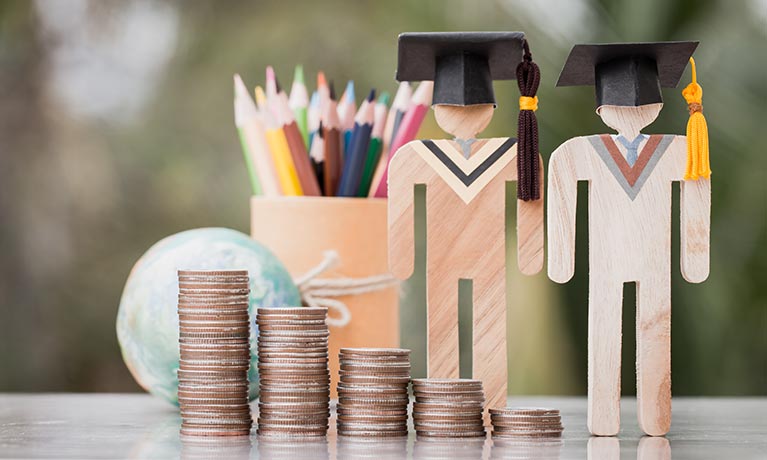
column 408, row 130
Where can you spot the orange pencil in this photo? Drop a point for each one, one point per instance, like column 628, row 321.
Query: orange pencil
column 278, row 100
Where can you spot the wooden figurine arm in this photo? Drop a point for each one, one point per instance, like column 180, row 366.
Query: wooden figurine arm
column 530, row 231
column 401, row 214
column 563, row 193
column 695, row 213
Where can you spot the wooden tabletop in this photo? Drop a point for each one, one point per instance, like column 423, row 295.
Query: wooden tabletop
column 140, row 426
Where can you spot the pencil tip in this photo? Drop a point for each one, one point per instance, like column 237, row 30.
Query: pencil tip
column 298, row 75
column 269, row 73
column 350, row 91
column 321, row 79
column 260, row 96
column 384, row 98
column 332, row 88
column 372, row 95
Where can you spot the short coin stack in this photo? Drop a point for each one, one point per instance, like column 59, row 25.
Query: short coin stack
column 214, row 345
column 448, row 408
column 373, row 392
column 526, row 422
column 293, row 369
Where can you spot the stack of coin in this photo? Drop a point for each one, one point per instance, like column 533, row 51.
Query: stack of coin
column 526, row 422
column 214, row 345
column 373, row 392
column 448, row 408
column 293, row 369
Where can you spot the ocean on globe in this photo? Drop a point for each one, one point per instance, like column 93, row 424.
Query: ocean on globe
column 147, row 321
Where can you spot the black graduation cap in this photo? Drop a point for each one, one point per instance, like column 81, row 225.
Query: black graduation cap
column 463, row 65
column 627, row 74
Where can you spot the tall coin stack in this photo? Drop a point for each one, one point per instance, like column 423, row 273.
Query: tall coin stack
column 293, row 370
column 529, row 422
column 214, row 345
column 448, row 408
column 373, row 392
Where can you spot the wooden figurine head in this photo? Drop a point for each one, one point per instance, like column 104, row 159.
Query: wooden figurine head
column 463, row 66
column 627, row 78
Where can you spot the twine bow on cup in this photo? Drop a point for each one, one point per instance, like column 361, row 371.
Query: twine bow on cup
column 324, row 292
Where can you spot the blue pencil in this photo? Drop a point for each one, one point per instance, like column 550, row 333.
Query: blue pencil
column 347, row 108
column 354, row 161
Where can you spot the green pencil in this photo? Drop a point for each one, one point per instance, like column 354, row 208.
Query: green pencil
column 376, row 145
column 299, row 102
column 241, row 118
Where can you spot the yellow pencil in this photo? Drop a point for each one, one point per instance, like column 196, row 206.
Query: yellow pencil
column 278, row 145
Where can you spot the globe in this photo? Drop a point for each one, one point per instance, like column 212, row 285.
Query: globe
column 147, row 320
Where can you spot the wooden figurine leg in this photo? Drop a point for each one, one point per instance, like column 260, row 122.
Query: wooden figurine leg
column 442, row 324
column 489, row 337
column 654, row 355
column 604, row 367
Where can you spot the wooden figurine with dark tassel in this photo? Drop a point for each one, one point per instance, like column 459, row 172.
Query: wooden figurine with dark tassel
column 630, row 177
column 465, row 181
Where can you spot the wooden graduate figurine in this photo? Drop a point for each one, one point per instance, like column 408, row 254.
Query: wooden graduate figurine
column 629, row 199
column 465, row 181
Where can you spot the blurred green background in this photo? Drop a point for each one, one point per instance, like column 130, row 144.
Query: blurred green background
column 116, row 129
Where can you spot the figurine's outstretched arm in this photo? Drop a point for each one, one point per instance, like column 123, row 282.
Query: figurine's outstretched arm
column 562, row 198
column 401, row 214
column 530, row 232
column 695, row 212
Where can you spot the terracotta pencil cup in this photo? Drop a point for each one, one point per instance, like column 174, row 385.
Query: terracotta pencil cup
column 300, row 229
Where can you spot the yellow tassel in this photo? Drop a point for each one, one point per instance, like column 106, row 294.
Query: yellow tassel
column 697, row 131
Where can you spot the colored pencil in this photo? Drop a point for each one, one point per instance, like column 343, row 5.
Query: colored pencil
column 331, row 134
column 278, row 145
column 317, row 155
column 242, row 118
column 253, row 139
column 299, row 103
column 313, row 118
column 279, row 100
column 322, row 89
column 408, row 130
column 354, row 160
column 376, row 145
column 399, row 106
column 347, row 109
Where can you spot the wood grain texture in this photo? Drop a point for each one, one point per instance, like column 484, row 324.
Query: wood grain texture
column 465, row 240
column 463, row 122
column 629, row 241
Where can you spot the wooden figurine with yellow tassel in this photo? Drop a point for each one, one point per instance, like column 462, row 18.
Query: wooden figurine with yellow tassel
column 630, row 178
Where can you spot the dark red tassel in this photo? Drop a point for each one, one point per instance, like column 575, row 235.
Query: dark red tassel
column 528, row 166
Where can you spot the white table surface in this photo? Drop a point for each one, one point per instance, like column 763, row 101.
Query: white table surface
column 140, row 426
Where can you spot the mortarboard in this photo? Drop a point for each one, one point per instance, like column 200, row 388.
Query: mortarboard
column 627, row 74
column 462, row 65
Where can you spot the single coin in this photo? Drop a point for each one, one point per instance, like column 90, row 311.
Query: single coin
column 372, row 433
column 214, row 432
column 436, row 434
column 292, row 310
column 213, row 272
column 364, row 417
column 524, row 411
column 446, row 417
column 385, row 412
column 431, row 408
column 292, row 327
column 374, row 351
